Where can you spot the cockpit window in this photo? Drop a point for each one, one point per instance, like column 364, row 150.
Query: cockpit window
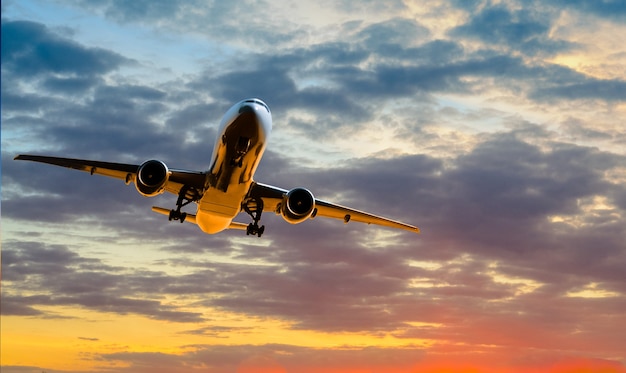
column 259, row 102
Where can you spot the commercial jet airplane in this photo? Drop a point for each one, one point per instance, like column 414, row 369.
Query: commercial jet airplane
column 228, row 187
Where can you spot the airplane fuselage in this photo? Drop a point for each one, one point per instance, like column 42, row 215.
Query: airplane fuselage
column 239, row 146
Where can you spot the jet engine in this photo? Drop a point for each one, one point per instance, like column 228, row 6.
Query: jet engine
column 151, row 178
column 297, row 206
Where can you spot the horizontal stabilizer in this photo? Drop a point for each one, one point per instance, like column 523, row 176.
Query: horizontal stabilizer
column 189, row 218
column 238, row 226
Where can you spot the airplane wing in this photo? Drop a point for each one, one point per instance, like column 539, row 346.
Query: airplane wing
column 273, row 196
column 122, row 171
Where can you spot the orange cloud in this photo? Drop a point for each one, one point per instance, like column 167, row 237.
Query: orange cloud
column 260, row 364
column 579, row 365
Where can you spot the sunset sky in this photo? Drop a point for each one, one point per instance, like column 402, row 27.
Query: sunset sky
column 497, row 127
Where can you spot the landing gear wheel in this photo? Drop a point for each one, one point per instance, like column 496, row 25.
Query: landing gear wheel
column 177, row 215
column 255, row 230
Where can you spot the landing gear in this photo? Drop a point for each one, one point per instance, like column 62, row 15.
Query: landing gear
column 255, row 230
column 177, row 215
column 254, row 208
column 185, row 196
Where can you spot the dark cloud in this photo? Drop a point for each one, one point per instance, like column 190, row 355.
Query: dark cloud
column 17, row 102
column 607, row 90
column 396, row 70
column 612, row 9
column 89, row 339
column 223, row 359
column 35, row 258
column 30, row 49
column 579, row 130
column 61, row 197
column 55, row 276
column 371, row 6
column 320, row 297
column 123, row 93
column 521, row 30
column 13, row 307
column 514, row 187
column 69, row 85
column 505, row 182
column 143, row 10
column 397, row 31
column 219, row 331
column 216, row 20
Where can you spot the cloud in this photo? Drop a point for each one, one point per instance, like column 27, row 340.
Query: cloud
column 606, row 9
column 29, row 49
column 286, row 357
column 607, row 90
column 215, row 21
column 43, row 275
column 521, row 30
column 89, row 339
column 69, row 85
column 302, row 359
column 397, row 31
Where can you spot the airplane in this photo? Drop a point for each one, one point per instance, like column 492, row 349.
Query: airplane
column 228, row 186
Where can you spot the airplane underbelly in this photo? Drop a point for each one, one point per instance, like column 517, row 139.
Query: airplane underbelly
column 216, row 209
column 212, row 223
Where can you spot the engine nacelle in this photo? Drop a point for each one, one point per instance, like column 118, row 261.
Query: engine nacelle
column 151, row 178
column 297, row 206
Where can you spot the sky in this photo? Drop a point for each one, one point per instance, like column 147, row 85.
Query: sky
column 497, row 127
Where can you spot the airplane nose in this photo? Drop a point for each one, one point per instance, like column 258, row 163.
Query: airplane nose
column 246, row 108
column 253, row 104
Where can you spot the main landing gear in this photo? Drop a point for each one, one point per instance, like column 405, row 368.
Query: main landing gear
column 185, row 196
column 254, row 208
